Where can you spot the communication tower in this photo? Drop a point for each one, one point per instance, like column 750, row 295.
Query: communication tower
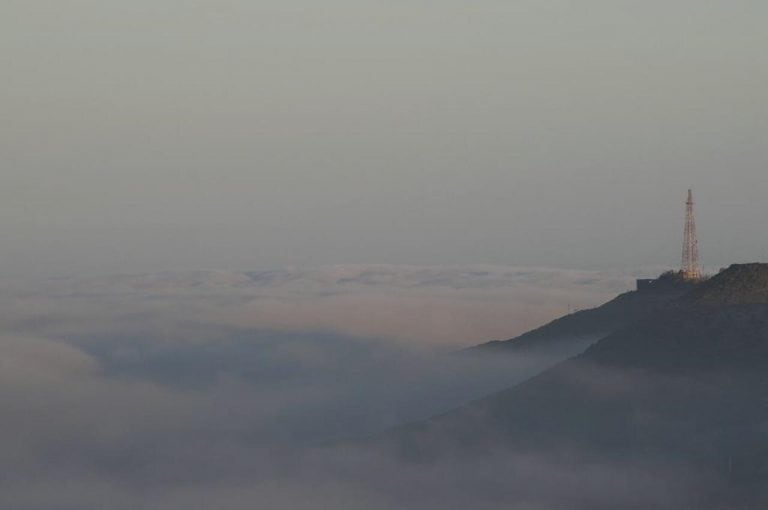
column 691, row 268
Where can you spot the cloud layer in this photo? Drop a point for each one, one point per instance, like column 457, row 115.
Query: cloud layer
column 452, row 306
column 215, row 389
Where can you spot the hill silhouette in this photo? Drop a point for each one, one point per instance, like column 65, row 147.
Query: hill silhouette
column 685, row 386
column 741, row 284
column 572, row 334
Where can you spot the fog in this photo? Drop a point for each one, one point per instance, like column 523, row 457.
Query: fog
column 92, row 431
column 437, row 306
column 152, row 391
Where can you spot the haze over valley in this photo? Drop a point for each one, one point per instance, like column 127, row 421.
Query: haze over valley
column 383, row 255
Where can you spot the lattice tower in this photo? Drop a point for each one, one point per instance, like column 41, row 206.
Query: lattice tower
column 691, row 267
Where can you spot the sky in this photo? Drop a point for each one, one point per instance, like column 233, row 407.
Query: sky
column 167, row 134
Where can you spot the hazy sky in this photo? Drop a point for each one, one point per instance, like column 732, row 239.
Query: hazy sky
column 168, row 134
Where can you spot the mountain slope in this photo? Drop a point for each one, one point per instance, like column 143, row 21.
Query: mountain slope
column 685, row 386
column 570, row 335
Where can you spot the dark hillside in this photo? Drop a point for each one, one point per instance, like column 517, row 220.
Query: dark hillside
column 687, row 386
column 740, row 284
column 570, row 335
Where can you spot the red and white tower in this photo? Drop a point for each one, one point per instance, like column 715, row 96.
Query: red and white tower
column 691, row 268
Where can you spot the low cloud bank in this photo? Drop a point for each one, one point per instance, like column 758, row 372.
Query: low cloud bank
column 238, row 423
column 224, row 390
column 428, row 306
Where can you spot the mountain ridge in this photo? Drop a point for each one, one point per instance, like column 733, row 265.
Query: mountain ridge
column 687, row 385
column 569, row 335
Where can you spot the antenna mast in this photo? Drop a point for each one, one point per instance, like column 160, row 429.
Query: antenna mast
column 691, row 268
